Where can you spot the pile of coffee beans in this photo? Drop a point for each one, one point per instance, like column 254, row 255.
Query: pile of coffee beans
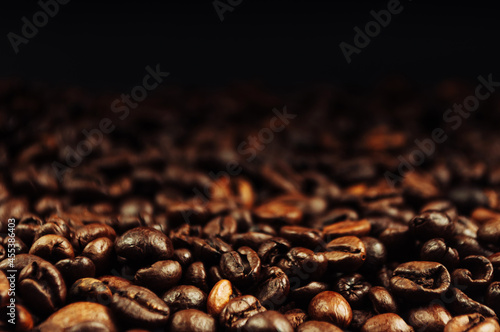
column 238, row 209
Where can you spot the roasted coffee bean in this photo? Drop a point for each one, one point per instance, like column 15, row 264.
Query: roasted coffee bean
column 192, row 320
column 3, row 253
column 250, row 239
column 468, row 246
column 139, row 306
column 432, row 224
column 219, row 297
column 295, row 317
column 382, row 300
column 359, row 318
column 90, row 290
column 376, row 254
column 476, row 272
column 278, row 212
column 74, row 269
column 464, row 226
column 492, row 297
column 330, row 307
column 303, row 237
column 42, row 287
column 317, row 326
column 101, row 252
column 209, row 250
column 238, row 310
column 80, row 316
column 185, row 297
column 183, row 235
column 345, row 254
column 241, row 267
column 196, row 275
column 386, row 322
column 461, row 304
column 345, row 228
column 115, row 283
column 429, row 319
column 436, row 250
column 335, row 216
column 160, row 276
column 489, row 233
column 441, row 206
column 473, row 322
column 142, row 246
column 273, row 288
column 305, row 293
column 353, row 288
column 268, row 321
column 183, row 256
column 223, row 227
column 88, row 233
column 304, row 264
column 271, row 251
column 420, row 281
column 54, row 225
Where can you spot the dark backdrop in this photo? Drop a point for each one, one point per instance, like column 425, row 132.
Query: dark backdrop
column 108, row 44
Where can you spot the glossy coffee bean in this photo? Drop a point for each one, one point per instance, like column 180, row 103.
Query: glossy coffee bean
column 76, row 268
column 80, row 316
column 24, row 320
column 382, row 300
column 420, row 281
column 238, row 310
column 304, row 264
column 219, row 297
column 141, row 307
column 353, row 288
column 53, row 248
column 192, row 320
column 101, row 252
column 115, row 283
column 273, row 288
column 432, row 224
column 330, row 307
column 90, row 290
column 461, row 304
column 492, row 297
column 143, row 245
column 295, row 317
column 88, row 233
column 376, row 254
column 196, row 275
column 272, row 250
column 386, row 322
column 306, row 292
column 475, row 272
column 429, row 319
column 160, row 276
column 183, row 256
column 184, row 297
column 489, row 233
column 345, row 254
column 473, row 322
column 241, row 267
column 436, row 250
column 303, row 237
column 317, row 326
column 268, row 321
column 54, row 225
column 209, row 250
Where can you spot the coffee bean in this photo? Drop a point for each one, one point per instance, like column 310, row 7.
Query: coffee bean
column 359, row 318
column 74, row 269
column 461, row 304
column 386, row 322
column 345, row 228
column 436, row 250
column 492, row 297
column 209, row 250
column 432, row 224
column 183, row 256
column 295, row 317
column 90, row 290
column 376, row 254
column 160, row 276
column 353, row 288
column 250, row 239
column 473, row 322
column 221, row 226
column 143, row 245
column 476, row 272
column 489, row 233
column 304, row 264
column 278, row 212
column 302, row 236
column 268, row 321
column 305, row 293
column 238, row 310
column 273, row 288
column 429, row 319
column 219, row 297
column 141, row 307
column 330, row 307
column 241, row 267
column 382, row 300
column 272, row 250
column 115, row 283
column 101, row 252
column 196, row 275
column 192, row 320
column 420, row 281
column 88, row 233
column 185, row 297
column 317, row 326
column 345, row 254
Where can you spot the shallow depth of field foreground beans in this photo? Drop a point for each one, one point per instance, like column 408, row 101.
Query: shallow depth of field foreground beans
column 250, row 209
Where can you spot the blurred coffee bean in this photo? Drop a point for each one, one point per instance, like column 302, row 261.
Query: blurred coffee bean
column 473, row 322
column 295, row 317
column 74, row 269
column 90, row 290
column 429, row 319
column 192, row 320
column 53, row 248
column 330, row 307
column 185, row 297
column 274, row 287
column 386, row 322
column 436, row 250
column 268, row 321
column 160, row 276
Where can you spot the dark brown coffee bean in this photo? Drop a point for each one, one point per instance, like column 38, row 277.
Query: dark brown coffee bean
column 192, row 320
column 432, row 224
column 476, row 272
column 468, row 246
column 489, row 233
column 436, row 250
column 473, row 322
column 429, row 319
column 222, row 227
column 250, row 239
column 80, row 314
column 42, row 286
column 139, row 306
column 305, row 293
column 330, row 307
column 88, row 233
column 353, row 288
column 160, row 276
column 420, row 281
column 441, row 206
column 53, row 248
column 183, row 235
column 464, row 226
column 54, row 225
column 295, row 317
column 238, row 310
column 196, row 274
column 303, row 237
column 382, row 300
column 303, row 265
column 317, row 326
column 18, row 245
column 219, row 297
column 101, row 252
column 386, row 322
column 74, row 269
column 24, row 320
column 492, row 297
column 209, row 250
column 241, row 267
column 142, row 246
column 115, row 283
column 183, row 256
column 268, row 321
column 345, row 254
column 185, row 297
column 376, row 254
column 90, row 290
column 359, row 318
column 271, row 251
column 348, row 228
column 273, row 288
column 461, row 304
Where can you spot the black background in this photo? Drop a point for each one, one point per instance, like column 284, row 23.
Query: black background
column 108, row 44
